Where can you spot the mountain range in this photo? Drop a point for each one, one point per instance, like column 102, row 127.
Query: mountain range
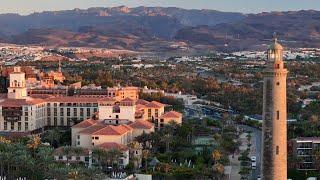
column 161, row 29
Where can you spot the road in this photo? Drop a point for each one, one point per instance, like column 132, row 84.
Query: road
column 256, row 148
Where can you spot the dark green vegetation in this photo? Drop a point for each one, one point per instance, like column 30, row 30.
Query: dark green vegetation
column 182, row 155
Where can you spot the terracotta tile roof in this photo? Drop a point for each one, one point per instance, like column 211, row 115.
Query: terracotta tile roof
column 112, row 130
column 41, row 96
column 71, row 99
column 141, row 124
column 60, row 151
column 142, row 102
column 3, row 95
column 140, row 106
column 20, row 102
column 127, row 100
column 85, row 124
column 172, row 114
column 113, row 145
column 154, row 104
column 127, row 127
column 91, row 129
column 106, row 99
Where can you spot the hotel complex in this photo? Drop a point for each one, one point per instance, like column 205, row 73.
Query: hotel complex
column 109, row 120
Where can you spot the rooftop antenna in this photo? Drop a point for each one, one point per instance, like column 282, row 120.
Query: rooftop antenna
column 274, row 37
column 226, row 40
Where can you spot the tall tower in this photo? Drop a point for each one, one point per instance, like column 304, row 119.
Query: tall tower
column 17, row 88
column 274, row 132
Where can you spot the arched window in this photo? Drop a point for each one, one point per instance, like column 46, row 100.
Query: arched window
column 116, row 109
column 277, row 150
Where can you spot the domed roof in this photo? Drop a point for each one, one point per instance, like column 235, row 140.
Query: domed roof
column 275, row 45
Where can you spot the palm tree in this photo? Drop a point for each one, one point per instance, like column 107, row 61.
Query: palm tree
column 145, row 155
column 143, row 138
column 53, row 135
column 317, row 158
column 98, row 154
column 114, row 155
column 78, row 151
column 67, row 150
column 136, row 158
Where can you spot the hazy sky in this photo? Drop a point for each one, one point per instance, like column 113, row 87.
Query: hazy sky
column 247, row 6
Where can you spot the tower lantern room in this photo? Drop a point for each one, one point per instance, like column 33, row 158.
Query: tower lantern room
column 275, row 55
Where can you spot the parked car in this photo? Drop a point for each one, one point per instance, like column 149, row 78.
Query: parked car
column 253, row 158
column 254, row 165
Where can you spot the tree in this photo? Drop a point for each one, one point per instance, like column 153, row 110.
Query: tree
column 67, row 151
column 53, row 136
column 145, row 155
column 114, row 155
column 218, row 169
column 216, row 155
column 98, row 154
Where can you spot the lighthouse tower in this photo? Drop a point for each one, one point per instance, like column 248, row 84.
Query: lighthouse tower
column 274, row 133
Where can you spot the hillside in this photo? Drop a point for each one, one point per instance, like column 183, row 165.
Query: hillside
column 161, row 29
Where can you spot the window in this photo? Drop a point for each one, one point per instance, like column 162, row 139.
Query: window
column 78, row 143
column 156, row 112
column 55, row 112
column 60, row 157
column 116, row 109
column 49, row 121
column 61, row 121
column 78, row 158
column 78, row 136
column 61, row 112
column 26, row 126
column 88, row 112
column 117, row 116
column 68, row 111
column 97, row 138
column 149, row 113
column 278, row 83
column 277, row 150
column 68, row 121
column 86, row 159
column 278, row 115
column 26, row 119
column 75, row 112
column 81, row 111
column 5, row 126
column 55, row 121
column 12, row 125
column 19, row 126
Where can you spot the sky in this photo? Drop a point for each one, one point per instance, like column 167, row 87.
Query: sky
column 25, row 7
